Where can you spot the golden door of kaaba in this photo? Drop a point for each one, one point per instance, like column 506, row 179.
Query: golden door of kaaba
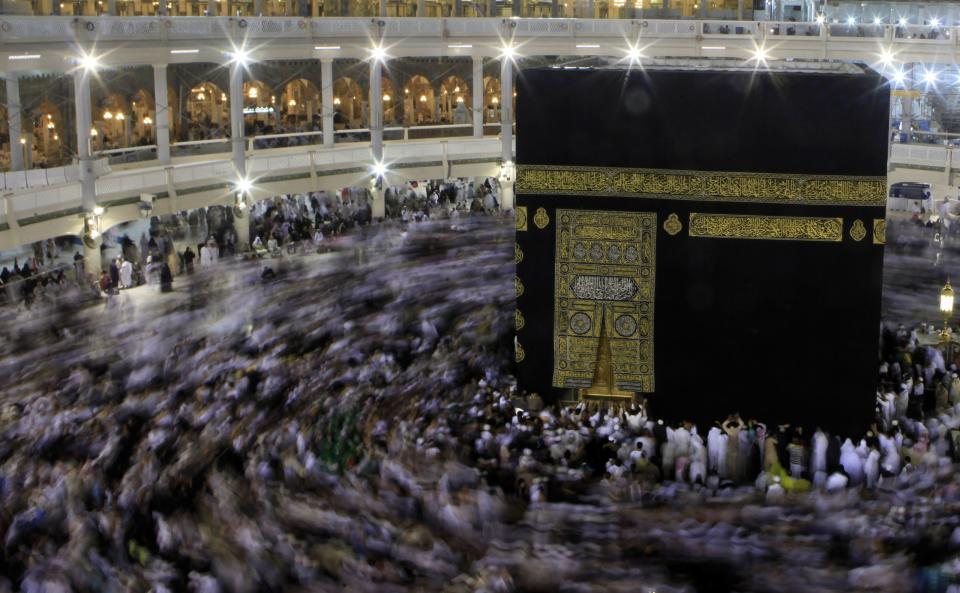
column 700, row 237
column 605, row 274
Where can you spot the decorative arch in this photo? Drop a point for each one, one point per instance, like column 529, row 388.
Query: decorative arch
column 208, row 108
column 142, row 117
column 392, row 103
column 419, row 101
column 259, row 103
column 491, row 99
column 454, row 93
column 111, row 117
column 348, row 102
column 45, row 123
column 300, row 102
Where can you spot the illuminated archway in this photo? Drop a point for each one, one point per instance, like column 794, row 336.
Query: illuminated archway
column 491, row 99
column 259, row 105
column 419, row 102
column 142, row 117
column 348, row 103
column 208, row 108
column 111, row 117
column 300, row 102
column 45, row 123
column 392, row 103
column 454, row 100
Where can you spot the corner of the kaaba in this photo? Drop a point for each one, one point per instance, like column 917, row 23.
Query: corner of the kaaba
column 731, row 249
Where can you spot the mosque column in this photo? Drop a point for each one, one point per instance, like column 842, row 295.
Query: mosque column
column 88, row 180
column 15, row 121
column 238, row 143
column 478, row 96
column 421, row 8
column 326, row 100
column 161, row 125
column 376, row 136
column 906, row 115
column 506, row 132
column 739, row 10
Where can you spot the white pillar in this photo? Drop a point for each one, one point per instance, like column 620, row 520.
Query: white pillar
column 88, row 181
column 237, row 141
column 15, row 121
column 241, row 227
column 84, row 117
column 906, row 115
column 376, row 109
column 326, row 100
column 161, row 124
column 477, row 96
column 92, row 260
column 421, row 8
column 378, row 208
column 506, row 109
column 506, row 195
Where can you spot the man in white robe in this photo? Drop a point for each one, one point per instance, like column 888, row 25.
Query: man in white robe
column 126, row 274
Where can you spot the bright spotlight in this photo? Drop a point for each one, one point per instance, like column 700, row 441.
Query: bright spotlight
column 886, row 57
column 508, row 51
column 244, row 186
column 930, row 77
column 98, row 210
column 634, row 54
column 760, row 55
column 821, row 19
column 902, row 21
column 240, row 56
column 899, row 77
column 378, row 170
column 877, row 20
column 89, row 62
column 378, row 53
column 934, row 22
column 851, row 20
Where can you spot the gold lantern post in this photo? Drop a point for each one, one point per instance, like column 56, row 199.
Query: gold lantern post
column 946, row 308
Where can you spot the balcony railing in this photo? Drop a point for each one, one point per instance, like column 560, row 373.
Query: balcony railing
column 141, row 154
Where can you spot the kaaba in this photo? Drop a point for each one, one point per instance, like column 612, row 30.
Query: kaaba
column 710, row 239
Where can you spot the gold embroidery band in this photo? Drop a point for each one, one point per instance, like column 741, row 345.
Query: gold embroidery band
column 747, row 226
column 772, row 188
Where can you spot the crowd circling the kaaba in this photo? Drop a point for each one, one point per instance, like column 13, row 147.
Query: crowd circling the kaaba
column 350, row 422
